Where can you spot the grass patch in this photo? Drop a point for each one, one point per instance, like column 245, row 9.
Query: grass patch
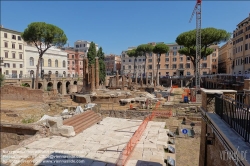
column 28, row 120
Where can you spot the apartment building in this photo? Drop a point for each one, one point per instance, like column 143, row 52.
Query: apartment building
column 12, row 53
column 112, row 64
column 225, row 58
column 53, row 62
column 171, row 63
column 74, row 62
column 241, row 47
column 83, row 46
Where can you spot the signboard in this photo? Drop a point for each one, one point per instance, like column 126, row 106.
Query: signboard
column 184, row 131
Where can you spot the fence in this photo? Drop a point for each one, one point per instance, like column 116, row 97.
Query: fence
column 235, row 114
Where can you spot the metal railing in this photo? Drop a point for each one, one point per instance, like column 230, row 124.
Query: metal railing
column 235, row 114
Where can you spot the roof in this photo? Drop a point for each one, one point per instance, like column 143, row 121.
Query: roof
column 9, row 30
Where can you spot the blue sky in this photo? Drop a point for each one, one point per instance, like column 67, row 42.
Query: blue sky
column 115, row 26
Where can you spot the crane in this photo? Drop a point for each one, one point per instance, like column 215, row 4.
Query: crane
column 197, row 10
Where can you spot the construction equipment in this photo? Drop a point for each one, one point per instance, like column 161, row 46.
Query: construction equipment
column 197, row 10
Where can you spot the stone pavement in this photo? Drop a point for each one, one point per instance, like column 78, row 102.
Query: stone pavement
column 150, row 148
column 83, row 148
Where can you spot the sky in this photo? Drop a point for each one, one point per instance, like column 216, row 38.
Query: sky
column 117, row 25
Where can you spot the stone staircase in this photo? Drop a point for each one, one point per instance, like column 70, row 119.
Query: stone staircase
column 83, row 121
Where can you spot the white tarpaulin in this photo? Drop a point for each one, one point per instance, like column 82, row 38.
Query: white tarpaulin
column 78, row 110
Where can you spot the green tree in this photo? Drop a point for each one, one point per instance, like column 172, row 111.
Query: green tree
column 209, row 36
column 159, row 49
column 2, row 78
column 43, row 36
column 102, row 69
column 144, row 49
column 91, row 53
column 133, row 54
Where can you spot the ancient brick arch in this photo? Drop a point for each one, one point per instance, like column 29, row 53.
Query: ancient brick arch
column 40, row 85
column 59, row 87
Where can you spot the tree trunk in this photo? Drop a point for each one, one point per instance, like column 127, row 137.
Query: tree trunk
column 157, row 74
column 37, row 72
column 134, row 67
column 145, row 64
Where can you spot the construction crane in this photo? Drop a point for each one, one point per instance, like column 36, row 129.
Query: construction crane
column 197, row 10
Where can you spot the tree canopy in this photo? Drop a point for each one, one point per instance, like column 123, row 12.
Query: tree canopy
column 2, row 79
column 145, row 48
column 43, row 36
column 91, row 53
column 209, row 37
column 160, row 48
column 102, row 70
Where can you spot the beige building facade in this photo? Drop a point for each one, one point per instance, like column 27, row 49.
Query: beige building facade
column 241, row 47
column 171, row 63
column 225, row 59
column 12, row 53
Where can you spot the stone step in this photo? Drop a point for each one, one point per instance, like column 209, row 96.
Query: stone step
column 83, row 121
column 76, row 117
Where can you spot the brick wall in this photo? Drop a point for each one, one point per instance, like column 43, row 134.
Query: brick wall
column 10, row 92
column 212, row 155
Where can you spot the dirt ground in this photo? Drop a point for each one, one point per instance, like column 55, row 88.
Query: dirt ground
column 187, row 148
column 24, row 111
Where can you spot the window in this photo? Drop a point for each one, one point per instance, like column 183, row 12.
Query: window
column 149, row 60
column 73, row 56
column 167, row 59
column 214, row 54
column 20, row 47
column 123, row 61
column 174, row 59
column 19, row 38
column 73, row 63
column 181, row 59
column 21, row 65
column 204, row 65
column 246, row 46
column 167, row 54
column 213, row 60
column 188, row 73
column 5, row 35
column 167, row 66
column 31, row 61
column 149, row 66
column 56, row 63
column 68, row 62
column 6, row 44
column 129, row 67
column 67, row 55
column 214, row 67
column 123, row 67
column 49, row 63
column 204, row 58
column 167, row 73
column 13, row 45
column 204, row 73
column 188, row 65
column 181, row 66
column 14, row 37
column 188, row 58
column 6, row 54
column 129, row 60
column 150, row 54
column 20, row 56
column 181, row 54
column 14, row 65
column 139, row 60
column 64, row 64
column 13, row 55
column 135, row 60
column 174, row 53
column 174, row 66
column 174, row 48
column 239, row 72
column 7, row 72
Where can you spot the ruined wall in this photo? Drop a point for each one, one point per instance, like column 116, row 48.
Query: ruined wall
column 212, row 156
column 129, row 114
column 14, row 135
column 9, row 92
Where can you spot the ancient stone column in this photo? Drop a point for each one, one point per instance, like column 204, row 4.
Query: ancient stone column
column 171, row 83
column 54, row 84
column 92, row 78
column 97, row 80
column 45, row 83
column 181, row 83
column 146, row 78
column 129, row 80
column 141, row 79
column 117, row 79
column 84, row 72
column 136, row 75
column 123, row 81
column 64, row 88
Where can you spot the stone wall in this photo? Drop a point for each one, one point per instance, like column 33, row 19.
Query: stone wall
column 13, row 135
column 128, row 114
column 10, row 92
